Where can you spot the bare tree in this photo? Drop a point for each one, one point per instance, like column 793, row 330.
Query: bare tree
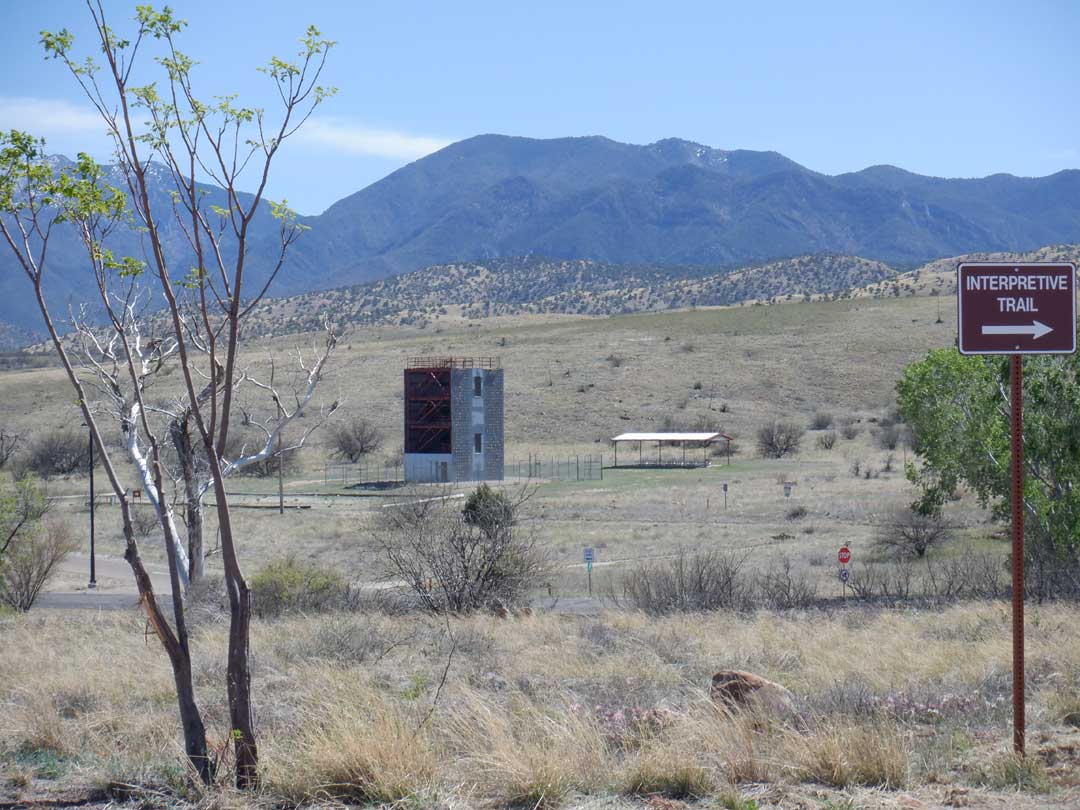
column 355, row 438
column 220, row 140
column 778, row 439
column 31, row 196
column 905, row 532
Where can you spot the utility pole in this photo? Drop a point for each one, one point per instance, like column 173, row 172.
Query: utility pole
column 280, row 464
column 93, row 571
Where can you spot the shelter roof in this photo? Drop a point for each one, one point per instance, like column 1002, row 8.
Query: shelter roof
column 669, row 437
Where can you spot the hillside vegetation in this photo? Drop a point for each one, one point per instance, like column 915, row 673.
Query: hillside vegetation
column 551, row 286
column 533, row 286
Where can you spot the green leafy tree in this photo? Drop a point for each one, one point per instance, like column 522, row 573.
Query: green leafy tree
column 154, row 114
column 958, row 409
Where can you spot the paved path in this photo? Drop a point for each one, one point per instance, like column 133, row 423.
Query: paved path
column 116, row 585
column 116, row 589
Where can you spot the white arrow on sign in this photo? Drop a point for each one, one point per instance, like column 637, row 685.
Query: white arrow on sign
column 1036, row 330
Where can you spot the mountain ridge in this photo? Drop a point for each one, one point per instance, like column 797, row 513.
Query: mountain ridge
column 672, row 202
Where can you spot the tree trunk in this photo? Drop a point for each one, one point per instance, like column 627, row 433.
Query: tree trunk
column 180, row 435
column 179, row 654
column 239, row 672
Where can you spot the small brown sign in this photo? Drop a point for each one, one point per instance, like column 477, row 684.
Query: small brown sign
column 1016, row 308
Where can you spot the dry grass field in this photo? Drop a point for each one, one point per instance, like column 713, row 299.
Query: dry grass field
column 901, row 706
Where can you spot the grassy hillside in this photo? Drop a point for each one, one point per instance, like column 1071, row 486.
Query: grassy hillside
column 899, row 706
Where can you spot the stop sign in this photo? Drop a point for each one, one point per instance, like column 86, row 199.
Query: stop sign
column 844, row 555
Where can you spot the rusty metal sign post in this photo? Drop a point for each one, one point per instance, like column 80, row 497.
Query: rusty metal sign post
column 1016, row 309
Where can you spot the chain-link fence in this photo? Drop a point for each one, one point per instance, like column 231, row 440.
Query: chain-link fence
column 564, row 468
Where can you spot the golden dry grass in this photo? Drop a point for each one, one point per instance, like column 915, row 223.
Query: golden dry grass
column 545, row 709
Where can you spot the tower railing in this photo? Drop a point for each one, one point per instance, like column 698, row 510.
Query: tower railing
column 488, row 363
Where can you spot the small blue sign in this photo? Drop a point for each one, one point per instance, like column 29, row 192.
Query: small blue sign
column 844, row 574
column 590, row 555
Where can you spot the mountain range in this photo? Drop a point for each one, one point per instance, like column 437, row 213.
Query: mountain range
column 671, row 204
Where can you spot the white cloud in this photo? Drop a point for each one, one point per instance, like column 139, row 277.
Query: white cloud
column 364, row 141
column 47, row 116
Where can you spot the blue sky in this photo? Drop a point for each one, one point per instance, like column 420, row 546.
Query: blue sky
column 955, row 89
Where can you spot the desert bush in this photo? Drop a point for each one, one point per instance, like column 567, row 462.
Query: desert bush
column 970, row 575
column 708, row 580
column 57, row 452
column 615, row 360
column 849, row 429
column 827, row 440
column 872, row 580
column 460, row 560
column 488, row 509
column 797, row 513
column 352, row 439
column 289, row 586
column 9, row 442
column 889, row 436
column 822, row 420
column 144, row 521
column 288, row 459
column 779, row 589
column 778, row 439
column 30, row 560
column 905, row 532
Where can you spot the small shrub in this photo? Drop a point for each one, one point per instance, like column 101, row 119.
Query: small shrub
column 288, row 586
column 488, row 509
column 827, row 440
column 30, row 561
column 856, row 467
column 821, row 420
column 664, row 772
column 849, row 429
column 615, row 360
column 144, row 521
column 697, row 387
column 797, row 513
column 888, row 437
column 1011, row 771
column 9, row 442
column 778, row 439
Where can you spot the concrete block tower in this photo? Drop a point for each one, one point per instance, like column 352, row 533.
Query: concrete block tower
column 453, row 419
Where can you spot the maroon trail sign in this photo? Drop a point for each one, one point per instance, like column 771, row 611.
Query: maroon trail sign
column 1016, row 308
